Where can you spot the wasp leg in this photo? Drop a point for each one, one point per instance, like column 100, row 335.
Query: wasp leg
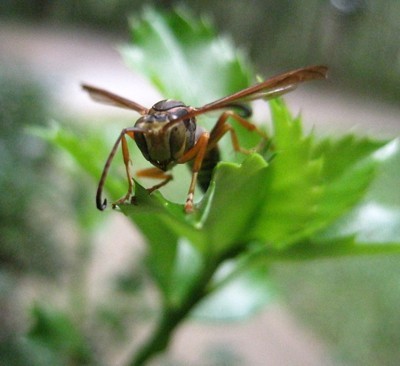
column 101, row 205
column 222, row 127
column 127, row 161
column 197, row 153
column 155, row 173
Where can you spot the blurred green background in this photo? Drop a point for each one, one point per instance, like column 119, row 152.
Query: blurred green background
column 50, row 231
column 357, row 38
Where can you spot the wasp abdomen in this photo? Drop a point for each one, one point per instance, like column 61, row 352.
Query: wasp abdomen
column 211, row 159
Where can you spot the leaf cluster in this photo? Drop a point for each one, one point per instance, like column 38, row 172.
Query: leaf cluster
column 311, row 200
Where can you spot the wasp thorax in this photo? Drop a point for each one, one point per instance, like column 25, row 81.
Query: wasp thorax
column 162, row 144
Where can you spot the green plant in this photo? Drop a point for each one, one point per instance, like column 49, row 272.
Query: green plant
column 27, row 248
column 311, row 200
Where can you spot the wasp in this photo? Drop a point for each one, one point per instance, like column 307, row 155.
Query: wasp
column 167, row 134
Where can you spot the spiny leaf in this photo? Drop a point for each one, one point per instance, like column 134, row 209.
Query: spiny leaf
column 293, row 182
column 307, row 188
column 349, row 167
column 376, row 219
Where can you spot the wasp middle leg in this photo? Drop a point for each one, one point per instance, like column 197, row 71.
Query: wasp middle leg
column 222, row 127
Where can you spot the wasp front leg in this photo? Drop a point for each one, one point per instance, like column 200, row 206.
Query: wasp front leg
column 127, row 162
column 101, row 205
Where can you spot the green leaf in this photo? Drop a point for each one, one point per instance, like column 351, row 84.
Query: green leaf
column 371, row 227
column 309, row 184
column 184, row 59
column 90, row 155
column 215, row 229
column 188, row 266
column 348, row 170
column 293, row 184
column 376, row 219
column 149, row 215
column 318, row 247
column 228, row 209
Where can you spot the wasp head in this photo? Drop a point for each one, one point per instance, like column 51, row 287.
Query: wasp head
column 160, row 145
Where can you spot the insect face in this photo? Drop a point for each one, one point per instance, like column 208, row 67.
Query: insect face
column 164, row 147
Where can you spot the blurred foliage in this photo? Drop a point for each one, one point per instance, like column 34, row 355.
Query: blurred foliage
column 47, row 228
column 54, row 330
column 24, row 164
column 27, row 245
column 278, row 34
column 352, row 304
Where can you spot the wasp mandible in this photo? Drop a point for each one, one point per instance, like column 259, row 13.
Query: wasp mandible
column 167, row 134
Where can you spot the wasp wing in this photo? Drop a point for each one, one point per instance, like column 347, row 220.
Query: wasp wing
column 269, row 94
column 106, row 97
column 268, row 89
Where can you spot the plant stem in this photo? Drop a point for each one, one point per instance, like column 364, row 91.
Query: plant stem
column 173, row 315
column 160, row 338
